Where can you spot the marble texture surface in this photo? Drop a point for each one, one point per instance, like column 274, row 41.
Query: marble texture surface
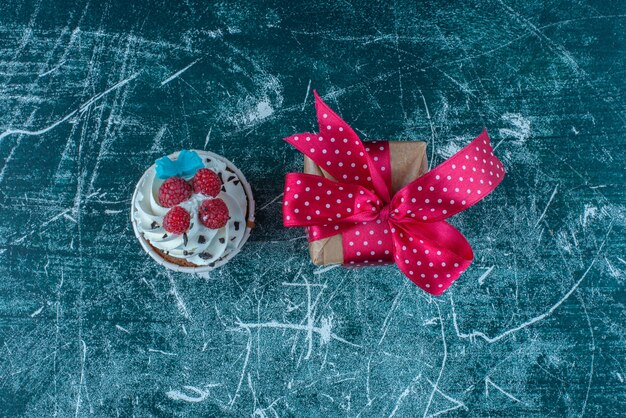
column 91, row 93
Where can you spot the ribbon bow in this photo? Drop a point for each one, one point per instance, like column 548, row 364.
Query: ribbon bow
column 407, row 228
column 185, row 165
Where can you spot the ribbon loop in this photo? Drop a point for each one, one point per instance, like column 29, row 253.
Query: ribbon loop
column 337, row 149
column 313, row 200
column 453, row 186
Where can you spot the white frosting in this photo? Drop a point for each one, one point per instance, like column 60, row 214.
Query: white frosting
column 199, row 245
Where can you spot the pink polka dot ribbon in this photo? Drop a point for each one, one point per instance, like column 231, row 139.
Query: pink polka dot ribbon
column 408, row 228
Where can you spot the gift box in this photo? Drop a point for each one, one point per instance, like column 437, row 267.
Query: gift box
column 408, row 162
column 374, row 203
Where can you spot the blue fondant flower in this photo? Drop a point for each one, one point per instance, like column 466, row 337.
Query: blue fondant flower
column 186, row 165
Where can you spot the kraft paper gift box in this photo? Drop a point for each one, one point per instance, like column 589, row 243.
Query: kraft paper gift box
column 408, row 162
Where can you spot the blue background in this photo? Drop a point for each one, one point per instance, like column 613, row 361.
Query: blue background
column 91, row 93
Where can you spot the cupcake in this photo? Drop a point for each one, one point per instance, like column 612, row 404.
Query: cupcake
column 192, row 211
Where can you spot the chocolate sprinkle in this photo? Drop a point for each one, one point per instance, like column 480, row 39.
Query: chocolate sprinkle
column 230, row 169
column 236, row 182
column 236, row 223
column 206, row 256
column 223, row 189
column 208, row 160
column 211, row 264
column 231, row 177
column 201, row 239
column 164, row 236
column 222, row 240
column 185, row 239
column 220, row 176
column 154, row 225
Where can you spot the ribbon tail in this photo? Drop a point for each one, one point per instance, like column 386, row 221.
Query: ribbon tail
column 431, row 255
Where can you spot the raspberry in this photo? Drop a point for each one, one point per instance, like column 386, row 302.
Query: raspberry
column 176, row 221
column 213, row 213
column 206, row 182
column 173, row 191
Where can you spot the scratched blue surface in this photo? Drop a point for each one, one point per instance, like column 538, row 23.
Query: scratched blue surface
column 91, row 93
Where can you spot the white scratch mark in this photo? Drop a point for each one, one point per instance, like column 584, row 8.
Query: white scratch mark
column 112, row 212
column 208, row 137
column 52, row 69
column 22, row 238
column 431, row 321
column 367, row 382
column 614, row 272
column 498, row 144
column 180, row 304
column 201, row 395
column 165, row 353
column 323, row 331
column 304, row 285
column 482, row 278
column 37, row 132
column 593, row 355
column 243, row 368
column 558, row 49
column 57, row 333
column 589, row 213
column 326, row 268
column 68, row 217
column 546, row 208
column 464, row 88
column 458, row 404
column 309, row 320
column 121, row 328
column 82, row 376
column 37, row 312
column 488, row 382
column 521, row 127
column 536, row 319
column 432, row 131
column 308, row 89
column 394, row 306
column 179, row 72
column 143, row 279
column 443, row 364
column 116, row 86
column 157, row 146
column 81, row 109
column 297, row 238
column 404, row 394
column 270, row 202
